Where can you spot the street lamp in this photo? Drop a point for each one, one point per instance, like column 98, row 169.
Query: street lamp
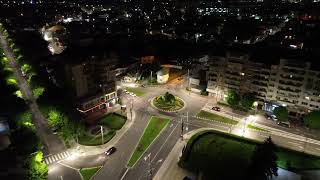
column 244, row 126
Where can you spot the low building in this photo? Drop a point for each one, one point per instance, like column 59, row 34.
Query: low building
column 163, row 76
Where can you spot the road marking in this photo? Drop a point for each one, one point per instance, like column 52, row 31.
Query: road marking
column 124, row 174
column 164, row 143
column 171, row 125
column 51, row 160
column 61, row 177
column 68, row 166
column 46, row 161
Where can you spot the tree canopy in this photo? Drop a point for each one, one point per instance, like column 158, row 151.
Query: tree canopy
column 281, row 113
column 263, row 162
column 312, row 119
column 247, row 100
column 232, row 98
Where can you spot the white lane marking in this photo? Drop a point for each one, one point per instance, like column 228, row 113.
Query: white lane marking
column 46, row 161
column 164, row 143
column 68, row 166
column 124, row 174
column 171, row 125
column 60, row 156
column 61, row 177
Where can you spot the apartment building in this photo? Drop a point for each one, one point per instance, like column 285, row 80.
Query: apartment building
column 290, row 83
column 92, row 83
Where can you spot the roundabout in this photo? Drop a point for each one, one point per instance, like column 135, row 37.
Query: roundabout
column 168, row 103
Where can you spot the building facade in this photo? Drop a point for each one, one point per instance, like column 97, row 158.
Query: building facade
column 93, row 84
column 290, row 83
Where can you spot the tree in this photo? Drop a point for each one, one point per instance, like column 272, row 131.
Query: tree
column 37, row 168
column 263, row 162
column 169, row 98
column 312, row 119
column 55, row 118
column 247, row 100
column 37, row 92
column 232, row 98
column 281, row 113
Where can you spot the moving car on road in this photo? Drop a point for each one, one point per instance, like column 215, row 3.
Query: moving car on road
column 216, row 108
column 110, row 151
column 284, row 124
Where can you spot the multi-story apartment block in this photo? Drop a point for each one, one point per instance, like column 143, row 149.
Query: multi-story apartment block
column 92, row 83
column 289, row 83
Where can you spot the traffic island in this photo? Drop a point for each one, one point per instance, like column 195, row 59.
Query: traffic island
column 109, row 124
column 209, row 149
column 214, row 117
column 88, row 173
column 168, row 103
column 151, row 132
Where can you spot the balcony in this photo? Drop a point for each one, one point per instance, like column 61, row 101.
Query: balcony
column 289, row 83
column 292, row 77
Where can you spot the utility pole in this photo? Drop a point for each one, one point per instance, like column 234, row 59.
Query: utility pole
column 182, row 126
column 101, row 129
column 150, row 168
column 131, row 108
column 150, row 174
column 187, row 121
column 244, row 126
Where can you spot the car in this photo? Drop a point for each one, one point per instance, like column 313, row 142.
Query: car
column 274, row 117
column 216, row 108
column 110, row 151
column 284, row 124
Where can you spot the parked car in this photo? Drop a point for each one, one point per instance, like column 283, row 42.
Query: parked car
column 284, row 124
column 216, row 108
column 110, row 151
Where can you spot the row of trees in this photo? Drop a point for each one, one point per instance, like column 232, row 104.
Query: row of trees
column 24, row 153
column 234, row 99
column 25, row 68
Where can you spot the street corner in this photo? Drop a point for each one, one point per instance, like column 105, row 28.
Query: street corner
column 59, row 171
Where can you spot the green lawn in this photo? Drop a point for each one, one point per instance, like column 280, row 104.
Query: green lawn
column 250, row 126
column 87, row 173
column 210, row 150
column 151, row 132
column 113, row 121
column 136, row 91
column 88, row 140
column 161, row 104
column 215, row 117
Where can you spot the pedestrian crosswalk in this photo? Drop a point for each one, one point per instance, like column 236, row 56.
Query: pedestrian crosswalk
column 56, row 157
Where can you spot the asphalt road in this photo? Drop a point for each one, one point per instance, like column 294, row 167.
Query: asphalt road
column 51, row 142
column 115, row 165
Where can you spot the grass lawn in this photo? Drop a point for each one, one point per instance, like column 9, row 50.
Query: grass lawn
column 250, row 126
column 215, row 117
column 161, row 104
column 136, row 91
column 113, row 121
column 219, row 151
column 150, row 133
column 87, row 173
column 87, row 140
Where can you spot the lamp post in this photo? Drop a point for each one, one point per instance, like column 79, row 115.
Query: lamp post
column 244, row 127
column 101, row 129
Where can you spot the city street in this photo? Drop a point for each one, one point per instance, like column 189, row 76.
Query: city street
column 114, row 166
